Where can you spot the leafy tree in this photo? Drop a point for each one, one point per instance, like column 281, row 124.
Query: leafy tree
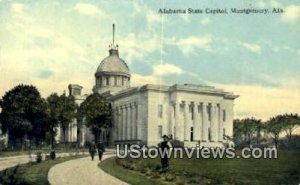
column 290, row 123
column 67, row 112
column 274, row 126
column 61, row 111
column 97, row 113
column 23, row 112
column 246, row 129
column 53, row 110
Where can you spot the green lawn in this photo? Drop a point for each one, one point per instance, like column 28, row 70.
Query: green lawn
column 284, row 170
column 31, row 173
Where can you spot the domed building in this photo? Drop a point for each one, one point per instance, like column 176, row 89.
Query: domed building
column 194, row 115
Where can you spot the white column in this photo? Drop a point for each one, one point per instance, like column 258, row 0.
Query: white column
column 204, row 122
column 220, row 114
column 103, row 80
column 214, row 124
column 177, row 122
column 138, row 121
column 124, row 123
column 171, row 123
column 120, row 129
column 115, row 124
column 128, row 125
column 134, row 125
column 197, row 123
column 186, row 123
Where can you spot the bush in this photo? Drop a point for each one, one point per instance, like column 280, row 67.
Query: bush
column 8, row 176
column 52, row 155
column 39, row 157
column 169, row 177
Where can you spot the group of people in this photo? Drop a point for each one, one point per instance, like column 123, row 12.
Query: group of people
column 99, row 148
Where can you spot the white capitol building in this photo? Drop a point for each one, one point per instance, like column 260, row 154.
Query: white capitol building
column 192, row 114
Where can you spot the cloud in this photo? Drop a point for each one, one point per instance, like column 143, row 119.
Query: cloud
column 17, row 7
column 138, row 79
column 255, row 48
column 136, row 47
column 190, row 44
column 87, row 9
column 159, row 71
column 292, row 14
column 263, row 102
column 205, row 20
column 166, row 69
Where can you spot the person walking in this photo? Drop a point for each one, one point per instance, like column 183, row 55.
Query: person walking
column 92, row 150
column 165, row 145
column 101, row 150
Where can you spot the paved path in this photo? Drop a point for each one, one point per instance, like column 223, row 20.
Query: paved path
column 81, row 171
column 7, row 162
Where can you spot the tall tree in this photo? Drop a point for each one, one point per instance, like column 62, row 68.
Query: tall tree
column 54, row 109
column 289, row 123
column 246, row 129
column 274, row 126
column 97, row 113
column 67, row 112
column 22, row 114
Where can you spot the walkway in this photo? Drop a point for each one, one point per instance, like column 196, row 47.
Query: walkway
column 7, row 162
column 81, row 171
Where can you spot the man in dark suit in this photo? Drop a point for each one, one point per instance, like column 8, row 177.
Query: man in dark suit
column 101, row 150
column 92, row 150
column 165, row 145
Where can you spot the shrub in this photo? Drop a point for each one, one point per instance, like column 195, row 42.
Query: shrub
column 169, row 177
column 39, row 157
column 52, row 155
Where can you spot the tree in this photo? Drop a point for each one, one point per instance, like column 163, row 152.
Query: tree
column 290, row 123
column 67, row 112
column 246, row 129
column 274, row 126
column 97, row 113
column 54, row 109
column 23, row 112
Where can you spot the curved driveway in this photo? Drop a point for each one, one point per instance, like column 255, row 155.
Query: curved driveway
column 81, row 171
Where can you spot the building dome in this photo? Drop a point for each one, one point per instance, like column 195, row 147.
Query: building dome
column 112, row 74
column 113, row 64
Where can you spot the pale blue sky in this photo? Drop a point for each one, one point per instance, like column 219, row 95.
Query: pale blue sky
column 53, row 43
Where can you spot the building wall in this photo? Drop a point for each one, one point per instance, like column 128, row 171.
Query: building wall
column 155, row 119
column 198, row 119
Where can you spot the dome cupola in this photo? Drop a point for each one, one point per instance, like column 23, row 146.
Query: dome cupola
column 112, row 73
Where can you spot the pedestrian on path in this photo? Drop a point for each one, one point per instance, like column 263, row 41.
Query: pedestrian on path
column 92, row 150
column 101, row 150
column 165, row 145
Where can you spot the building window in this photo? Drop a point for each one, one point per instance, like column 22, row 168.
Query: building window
column 209, row 134
column 160, row 131
column 160, row 110
column 224, row 115
column 122, row 81
column 224, row 132
column 107, row 80
column 192, row 133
